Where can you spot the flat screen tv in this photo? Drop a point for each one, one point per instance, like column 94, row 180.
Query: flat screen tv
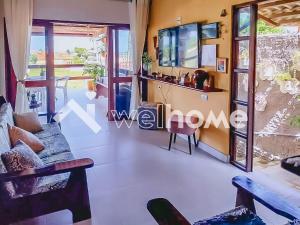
column 188, row 46
column 168, row 45
column 179, row 46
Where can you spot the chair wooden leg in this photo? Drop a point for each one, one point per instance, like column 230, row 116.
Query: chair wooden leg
column 175, row 135
column 170, row 142
column 195, row 141
column 190, row 146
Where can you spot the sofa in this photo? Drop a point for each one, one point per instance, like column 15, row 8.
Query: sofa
column 61, row 183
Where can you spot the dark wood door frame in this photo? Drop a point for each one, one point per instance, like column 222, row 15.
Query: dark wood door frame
column 49, row 83
column 113, row 67
column 248, row 167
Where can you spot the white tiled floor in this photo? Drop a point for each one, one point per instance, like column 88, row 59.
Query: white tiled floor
column 133, row 166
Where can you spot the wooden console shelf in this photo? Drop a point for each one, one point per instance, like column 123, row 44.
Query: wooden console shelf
column 179, row 85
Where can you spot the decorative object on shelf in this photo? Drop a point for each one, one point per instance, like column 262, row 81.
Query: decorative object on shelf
column 222, row 65
column 208, row 84
column 209, row 55
column 175, row 83
column 154, row 75
column 200, row 77
column 147, row 62
column 184, row 79
column 193, row 81
column 210, row 31
column 168, row 78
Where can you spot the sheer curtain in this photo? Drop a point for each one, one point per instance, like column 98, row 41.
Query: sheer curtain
column 139, row 13
column 2, row 51
column 18, row 18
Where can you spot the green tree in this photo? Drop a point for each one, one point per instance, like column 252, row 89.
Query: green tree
column 81, row 55
column 264, row 28
column 33, row 59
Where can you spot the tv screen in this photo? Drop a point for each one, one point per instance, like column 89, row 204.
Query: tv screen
column 168, row 47
column 188, row 46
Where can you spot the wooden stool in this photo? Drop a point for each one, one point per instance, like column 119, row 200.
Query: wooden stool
column 185, row 129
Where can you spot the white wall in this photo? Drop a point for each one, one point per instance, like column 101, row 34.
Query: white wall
column 2, row 57
column 100, row 11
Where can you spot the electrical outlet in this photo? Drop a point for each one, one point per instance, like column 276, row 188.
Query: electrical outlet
column 204, row 97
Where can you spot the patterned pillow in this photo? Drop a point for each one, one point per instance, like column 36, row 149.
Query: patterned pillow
column 28, row 121
column 19, row 158
column 16, row 134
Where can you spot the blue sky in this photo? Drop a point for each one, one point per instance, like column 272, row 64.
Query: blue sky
column 64, row 43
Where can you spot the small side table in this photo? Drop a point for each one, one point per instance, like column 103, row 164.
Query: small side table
column 34, row 106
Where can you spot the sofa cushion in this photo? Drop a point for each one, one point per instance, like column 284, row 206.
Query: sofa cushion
column 28, row 121
column 54, row 145
column 16, row 134
column 49, row 129
column 57, row 158
column 46, row 184
column 19, row 158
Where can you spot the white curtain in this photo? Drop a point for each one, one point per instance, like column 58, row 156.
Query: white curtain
column 139, row 13
column 2, row 52
column 18, row 18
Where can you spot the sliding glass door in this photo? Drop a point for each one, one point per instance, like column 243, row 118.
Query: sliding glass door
column 243, row 82
column 40, row 74
column 119, row 72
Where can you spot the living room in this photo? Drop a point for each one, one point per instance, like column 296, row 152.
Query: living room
column 149, row 112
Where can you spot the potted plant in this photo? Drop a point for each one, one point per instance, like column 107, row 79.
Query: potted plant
column 147, row 61
column 95, row 71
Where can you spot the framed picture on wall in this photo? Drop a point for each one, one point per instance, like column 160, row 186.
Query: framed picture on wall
column 210, row 31
column 209, row 55
column 222, row 65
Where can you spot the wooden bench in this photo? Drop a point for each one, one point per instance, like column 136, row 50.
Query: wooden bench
column 247, row 191
column 66, row 182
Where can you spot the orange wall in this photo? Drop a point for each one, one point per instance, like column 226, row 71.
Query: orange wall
column 163, row 14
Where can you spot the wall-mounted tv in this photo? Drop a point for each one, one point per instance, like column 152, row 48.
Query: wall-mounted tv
column 188, row 46
column 168, row 45
column 179, row 46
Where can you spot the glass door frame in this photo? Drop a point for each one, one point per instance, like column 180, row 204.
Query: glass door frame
column 248, row 167
column 113, row 66
column 49, row 82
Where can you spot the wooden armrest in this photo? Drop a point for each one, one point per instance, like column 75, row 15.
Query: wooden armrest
column 165, row 213
column 57, row 168
column 269, row 199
